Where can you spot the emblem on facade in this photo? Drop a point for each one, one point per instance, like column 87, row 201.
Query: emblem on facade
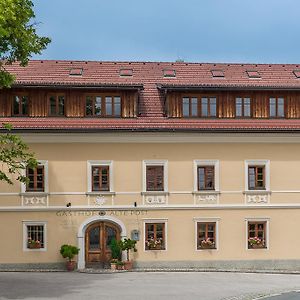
column 35, row 201
column 207, row 199
column 155, row 199
column 99, row 200
column 257, row 198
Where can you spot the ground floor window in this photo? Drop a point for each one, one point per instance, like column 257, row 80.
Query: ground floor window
column 155, row 236
column 257, row 234
column 206, row 235
column 34, row 235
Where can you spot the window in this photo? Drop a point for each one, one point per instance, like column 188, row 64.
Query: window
column 257, row 175
column 57, row 105
column 206, row 235
column 256, row 178
column 217, row 73
column 257, row 237
column 20, row 105
column 276, row 107
column 126, row 72
column 243, row 107
column 155, row 236
column 100, row 178
column 253, row 74
column 203, row 107
column 206, row 175
column 103, row 106
column 155, row 178
column 206, row 178
column 99, row 174
column 34, row 236
column 209, row 107
column 36, row 179
column 169, row 73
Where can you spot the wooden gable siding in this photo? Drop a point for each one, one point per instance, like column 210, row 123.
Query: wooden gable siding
column 38, row 105
column 226, row 103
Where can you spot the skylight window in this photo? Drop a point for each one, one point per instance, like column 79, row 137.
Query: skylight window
column 217, row 73
column 253, row 74
column 169, row 73
column 297, row 73
column 126, row 72
column 76, row 72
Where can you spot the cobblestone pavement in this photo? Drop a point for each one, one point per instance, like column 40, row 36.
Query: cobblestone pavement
column 146, row 286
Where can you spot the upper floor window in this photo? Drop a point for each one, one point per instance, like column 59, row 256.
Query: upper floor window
column 103, row 106
column 206, row 178
column 276, row 106
column 20, row 105
column 57, row 105
column 36, row 178
column 202, row 107
column 242, row 107
column 256, row 178
column 155, row 178
column 100, row 178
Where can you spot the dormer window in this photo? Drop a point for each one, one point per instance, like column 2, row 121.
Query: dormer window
column 126, row 72
column 20, row 105
column 217, row 73
column 56, row 105
column 169, row 73
column 297, row 73
column 103, row 106
column 276, row 107
column 76, row 72
column 253, row 74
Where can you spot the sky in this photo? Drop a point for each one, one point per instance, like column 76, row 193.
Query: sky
column 257, row 31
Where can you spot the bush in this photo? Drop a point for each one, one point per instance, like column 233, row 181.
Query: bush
column 115, row 249
column 69, row 251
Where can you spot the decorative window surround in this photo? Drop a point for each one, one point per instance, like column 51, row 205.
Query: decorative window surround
column 25, row 235
column 99, row 198
column 207, row 220
column 207, row 196
column 36, row 198
column 155, row 197
column 147, row 221
column 267, row 239
column 257, row 196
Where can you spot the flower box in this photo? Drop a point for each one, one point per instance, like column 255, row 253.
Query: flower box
column 207, row 246
column 257, row 246
column 34, row 246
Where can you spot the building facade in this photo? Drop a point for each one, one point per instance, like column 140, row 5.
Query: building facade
column 197, row 162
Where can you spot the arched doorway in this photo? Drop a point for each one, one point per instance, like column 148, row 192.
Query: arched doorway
column 82, row 231
column 98, row 237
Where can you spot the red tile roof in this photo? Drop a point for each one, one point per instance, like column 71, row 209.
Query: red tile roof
column 150, row 76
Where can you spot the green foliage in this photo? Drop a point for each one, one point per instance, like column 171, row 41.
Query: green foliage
column 14, row 156
column 127, row 245
column 69, row 251
column 115, row 249
column 18, row 36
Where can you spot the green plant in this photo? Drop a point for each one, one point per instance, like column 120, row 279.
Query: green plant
column 127, row 245
column 69, row 251
column 115, row 249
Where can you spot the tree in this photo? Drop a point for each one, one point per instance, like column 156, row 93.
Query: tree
column 15, row 156
column 18, row 37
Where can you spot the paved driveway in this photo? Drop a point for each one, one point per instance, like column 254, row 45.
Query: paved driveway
column 136, row 285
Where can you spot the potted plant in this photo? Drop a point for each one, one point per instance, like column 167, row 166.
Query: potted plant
column 256, row 242
column 115, row 253
column 33, row 244
column 154, row 244
column 207, row 244
column 120, row 265
column 69, row 251
column 127, row 245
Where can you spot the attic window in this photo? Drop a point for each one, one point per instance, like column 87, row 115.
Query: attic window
column 169, row 73
column 76, row 72
column 253, row 74
column 217, row 73
column 297, row 73
column 126, row 72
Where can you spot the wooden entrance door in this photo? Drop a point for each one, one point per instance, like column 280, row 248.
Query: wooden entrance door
column 98, row 237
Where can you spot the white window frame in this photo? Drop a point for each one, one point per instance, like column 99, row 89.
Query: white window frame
column 25, row 235
column 267, row 240
column 90, row 164
column 147, row 221
column 204, row 163
column 207, row 220
column 259, row 162
column 46, row 182
column 163, row 163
